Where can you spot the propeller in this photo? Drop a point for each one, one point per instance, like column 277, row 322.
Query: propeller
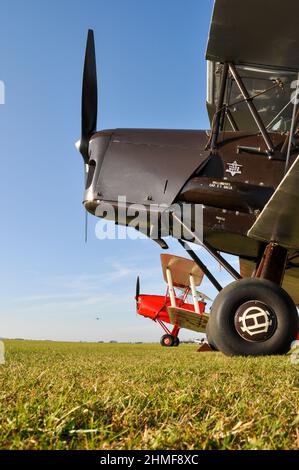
column 137, row 290
column 86, row 213
column 137, row 287
column 86, row 226
column 89, row 109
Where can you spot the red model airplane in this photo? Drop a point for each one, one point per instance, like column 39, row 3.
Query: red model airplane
column 181, row 275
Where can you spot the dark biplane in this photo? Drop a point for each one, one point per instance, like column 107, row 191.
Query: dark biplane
column 244, row 172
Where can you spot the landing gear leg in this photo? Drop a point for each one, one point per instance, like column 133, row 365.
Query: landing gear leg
column 174, row 333
column 272, row 265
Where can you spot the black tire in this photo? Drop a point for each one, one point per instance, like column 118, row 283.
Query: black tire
column 210, row 339
column 176, row 341
column 167, row 341
column 234, row 336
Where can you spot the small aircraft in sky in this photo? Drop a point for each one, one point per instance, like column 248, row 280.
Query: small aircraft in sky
column 243, row 172
column 182, row 276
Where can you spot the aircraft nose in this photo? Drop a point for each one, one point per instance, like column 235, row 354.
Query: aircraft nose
column 91, row 196
column 98, row 146
column 91, row 206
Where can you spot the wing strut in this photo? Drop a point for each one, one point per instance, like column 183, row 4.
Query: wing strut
column 202, row 266
column 223, row 110
column 252, row 108
column 194, row 294
column 220, row 109
column 225, row 264
column 170, row 287
column 293, row 124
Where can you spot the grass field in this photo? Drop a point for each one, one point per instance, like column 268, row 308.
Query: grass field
column 102, row 396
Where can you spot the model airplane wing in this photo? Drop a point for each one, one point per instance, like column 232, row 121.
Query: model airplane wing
column 279, row 220
column 261, row 39
column 181, row 268
column 187, row 319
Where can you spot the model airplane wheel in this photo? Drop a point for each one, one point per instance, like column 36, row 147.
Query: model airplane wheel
column 253, row 317
column 167, row 341
column 210, row 339
column 176, row 342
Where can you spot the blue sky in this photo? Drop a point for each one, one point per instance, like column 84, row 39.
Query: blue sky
column 152, row 73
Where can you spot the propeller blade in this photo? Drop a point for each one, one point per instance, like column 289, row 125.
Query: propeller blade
column 89, row 109
column 137, row 288
column 86, row 226
column 86, row 213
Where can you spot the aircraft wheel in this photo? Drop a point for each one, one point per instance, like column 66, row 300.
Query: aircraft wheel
column 210, row 339
column 167, row 341
column 253, row 317
column 176, row 341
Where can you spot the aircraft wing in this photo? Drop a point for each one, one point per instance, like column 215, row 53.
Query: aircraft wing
column 187, row 319
column 261, row 39
column 279, row 220
column 181, row 268
column 254, row 32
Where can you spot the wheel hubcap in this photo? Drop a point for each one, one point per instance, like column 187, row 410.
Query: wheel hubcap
column 255, row 321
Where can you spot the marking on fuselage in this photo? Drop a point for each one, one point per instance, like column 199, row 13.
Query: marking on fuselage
column 234, row 168
column 221, row 185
